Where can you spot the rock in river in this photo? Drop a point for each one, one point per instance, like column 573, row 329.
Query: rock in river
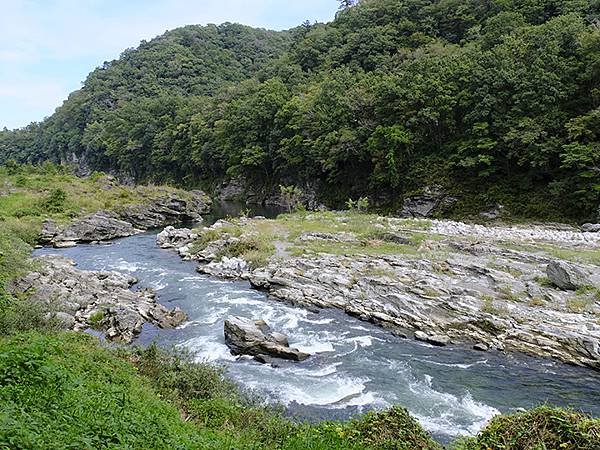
column 100, row 226
column 255, row 338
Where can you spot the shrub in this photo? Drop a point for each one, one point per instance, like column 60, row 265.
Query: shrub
column 55, row 201
column 360, row 205
column 394, row 429
column 291, row 196
column 539, row 429
column 95, row 320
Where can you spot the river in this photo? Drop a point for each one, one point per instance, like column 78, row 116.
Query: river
column 356, row 365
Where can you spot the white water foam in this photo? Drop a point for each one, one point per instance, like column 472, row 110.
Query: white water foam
column 126, row 266
column 364, row 341
column 317, row 373
column 333, row 391
column 246, row 301
column 207, row 349
column 312, row 348
column 458, row 365
column 449, row 410
column 158, row 285
column 214, row 316
column 318, row 321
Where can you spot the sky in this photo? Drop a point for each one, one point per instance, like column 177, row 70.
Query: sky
column 47, row 47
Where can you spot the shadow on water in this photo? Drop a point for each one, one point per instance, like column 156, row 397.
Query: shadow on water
column 223, row 210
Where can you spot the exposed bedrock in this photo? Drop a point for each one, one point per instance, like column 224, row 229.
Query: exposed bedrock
column 76, row 300
column 128, row 220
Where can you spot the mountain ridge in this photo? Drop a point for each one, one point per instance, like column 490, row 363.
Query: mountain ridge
column 494, row 102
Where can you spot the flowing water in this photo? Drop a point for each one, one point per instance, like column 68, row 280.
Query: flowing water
column 356, row 366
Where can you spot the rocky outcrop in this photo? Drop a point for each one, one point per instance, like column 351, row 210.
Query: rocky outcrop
column 485, row 287
column 100, row 226
column 226, row 268
column 590, row 227
column 255, row 338
column 76, row 300
column 438, row 340
column 168, row 210
column 566, row 276
column 172, row 237
column 241, row 190
column 459, row 300
column 432, row 200
column 106, row 225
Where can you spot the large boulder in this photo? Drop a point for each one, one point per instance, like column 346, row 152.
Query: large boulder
column 248, row 337
column 172, row 237
column 226, row 268
column 566, row 276
column 438, row 340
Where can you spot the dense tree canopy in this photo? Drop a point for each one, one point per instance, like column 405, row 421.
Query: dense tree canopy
column 497, row 101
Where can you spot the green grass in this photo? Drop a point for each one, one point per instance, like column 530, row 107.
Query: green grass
column 258, row 236
column 66, row 391
column 63, row 391
column 39, row 192
column 577, row 255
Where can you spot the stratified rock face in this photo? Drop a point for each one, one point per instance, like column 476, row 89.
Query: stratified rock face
column 79, row 299
column 168, row 210
column 432, row 200
column 255, row 338
column 100, row 226
column 104, row 225
column 459, row 299
column 590, row 228
column 482, row 286
column 566, row 276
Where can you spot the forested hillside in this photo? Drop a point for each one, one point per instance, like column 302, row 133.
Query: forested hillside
column 496, row 101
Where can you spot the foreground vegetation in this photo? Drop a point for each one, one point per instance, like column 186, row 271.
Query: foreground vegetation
column 495, row 100
column 66, row 390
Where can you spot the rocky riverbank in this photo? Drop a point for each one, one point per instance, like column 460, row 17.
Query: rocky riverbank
column 532, row 289
column 75, row 299
column 168, row 209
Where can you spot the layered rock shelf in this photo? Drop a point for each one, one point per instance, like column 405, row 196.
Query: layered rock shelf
column 128, row 220
column 528, row 289
column 74, row 299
